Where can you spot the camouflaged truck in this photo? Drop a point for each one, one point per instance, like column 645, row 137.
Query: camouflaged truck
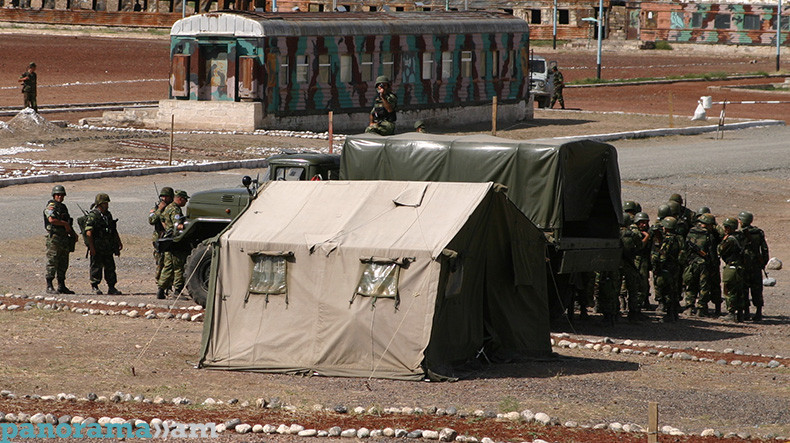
column 209, row 212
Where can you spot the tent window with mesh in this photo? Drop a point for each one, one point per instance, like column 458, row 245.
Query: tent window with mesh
column 269, row 272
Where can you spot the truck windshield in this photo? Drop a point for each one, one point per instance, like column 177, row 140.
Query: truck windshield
column 537, row 65
column 289, row 174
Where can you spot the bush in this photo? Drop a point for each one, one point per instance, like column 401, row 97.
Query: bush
column 664, row 46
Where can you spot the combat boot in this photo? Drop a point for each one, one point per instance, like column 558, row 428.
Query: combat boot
column 703, row 311
column 758, row 315
column 95, row 289
column 717, row 310
column 160, row 294
column 746, row 314
column 739, row 316
column 50, row 288
column 731, row 317
column 62, row 289
column 113, row 291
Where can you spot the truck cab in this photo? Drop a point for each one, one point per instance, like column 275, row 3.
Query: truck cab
column 541, row 85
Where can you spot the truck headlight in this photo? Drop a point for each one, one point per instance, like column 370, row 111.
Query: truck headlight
column 541, row 84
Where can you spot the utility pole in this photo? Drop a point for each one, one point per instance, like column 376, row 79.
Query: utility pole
column 600, row 35
column 554, row 27
column 778, row 32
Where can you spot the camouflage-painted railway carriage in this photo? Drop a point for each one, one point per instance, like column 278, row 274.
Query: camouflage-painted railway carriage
column 299, row 64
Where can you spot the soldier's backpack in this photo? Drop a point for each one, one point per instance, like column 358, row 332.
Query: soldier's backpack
column 81, row 222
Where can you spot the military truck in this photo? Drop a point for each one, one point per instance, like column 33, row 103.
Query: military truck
column 540, row 82
column 570, row 190
column 209, row 212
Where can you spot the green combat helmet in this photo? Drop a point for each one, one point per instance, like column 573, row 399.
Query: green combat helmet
column 419, row 124
column 674, row 207
column 663, row 211
column 182, row 194
column 629, row 206
column 730, row 223
column 101, row 198
column 641, row 216
column 676, row 198
column 167, row 191
column 382, row 79
column 58, row 190
column 746, row 218
column 669, row 223
column 628, row 219
column 704, row 210
column 707, row 219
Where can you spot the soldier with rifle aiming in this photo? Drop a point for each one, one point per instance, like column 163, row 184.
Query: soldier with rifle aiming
column 101, row 235
column 61, row 239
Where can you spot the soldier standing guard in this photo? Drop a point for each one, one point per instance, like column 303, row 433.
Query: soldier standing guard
column 60, row 240
column 559, row 83
column 29, row 83
column 155, row 219
column 383, row 115
column 755, row 257
column 101, row 232
column 172, row 274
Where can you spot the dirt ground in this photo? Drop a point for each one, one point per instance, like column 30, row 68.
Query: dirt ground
column 46, row 352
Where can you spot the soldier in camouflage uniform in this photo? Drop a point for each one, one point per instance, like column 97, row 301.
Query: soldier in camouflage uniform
column 642, row 260
column 731, row 253
column 29, row 82
column 696, row 278
column 684, row 215
column 714, row 272
column 631, row 243
column 172, row 275
column 383, row 115
column 559, row 83
column 666, row 257
column 60, row 240
column 155, row 219
column 656, row 231
column 755, row 257
column 101, row 232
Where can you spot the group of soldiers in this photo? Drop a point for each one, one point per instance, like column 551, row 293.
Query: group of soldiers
column 103, row 243
column 684, row 251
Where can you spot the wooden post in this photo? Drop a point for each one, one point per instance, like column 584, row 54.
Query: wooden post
column 652, row 422
column 493, row 117
column 172, row 127
column 331, row 131
column 720, row 127
column 671, row 112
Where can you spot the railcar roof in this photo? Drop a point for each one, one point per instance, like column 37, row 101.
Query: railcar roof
column 263, row 24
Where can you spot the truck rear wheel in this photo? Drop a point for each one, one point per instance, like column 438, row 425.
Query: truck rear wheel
column 198, row 269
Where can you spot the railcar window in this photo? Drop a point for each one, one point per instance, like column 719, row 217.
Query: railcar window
column 494, row 64
column 427, row 65
column 513, row 64
column 564, row 16
column 387, row 64
column 284, row 71
column 345, row 68
column 751, row 21
column 366, row 68
column 722, row 21
column 447, row 64
column 534, row 16
column 323, row 68
column 466, row 63
column 301, row 69
column 696, row 19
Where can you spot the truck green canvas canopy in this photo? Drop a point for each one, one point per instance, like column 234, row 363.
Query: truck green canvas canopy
column 380, row 279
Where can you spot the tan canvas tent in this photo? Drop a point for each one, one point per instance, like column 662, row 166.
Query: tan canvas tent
column 377, row 278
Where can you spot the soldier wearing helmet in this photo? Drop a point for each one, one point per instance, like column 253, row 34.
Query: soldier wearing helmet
column 685, row 216
column 155, row 219
column 101, row 233
column 696, row 275
column 631, row 207
column 731, row 253
column 630, row 288
column 60, row 240
column 666, row 258
column 383, row 115
column 174, row 260
column 755, row 257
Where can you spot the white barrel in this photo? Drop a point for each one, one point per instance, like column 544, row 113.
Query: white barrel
column 707, row 101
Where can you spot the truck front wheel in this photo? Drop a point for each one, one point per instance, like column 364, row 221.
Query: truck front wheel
column 197, row 270
column 544, row 102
